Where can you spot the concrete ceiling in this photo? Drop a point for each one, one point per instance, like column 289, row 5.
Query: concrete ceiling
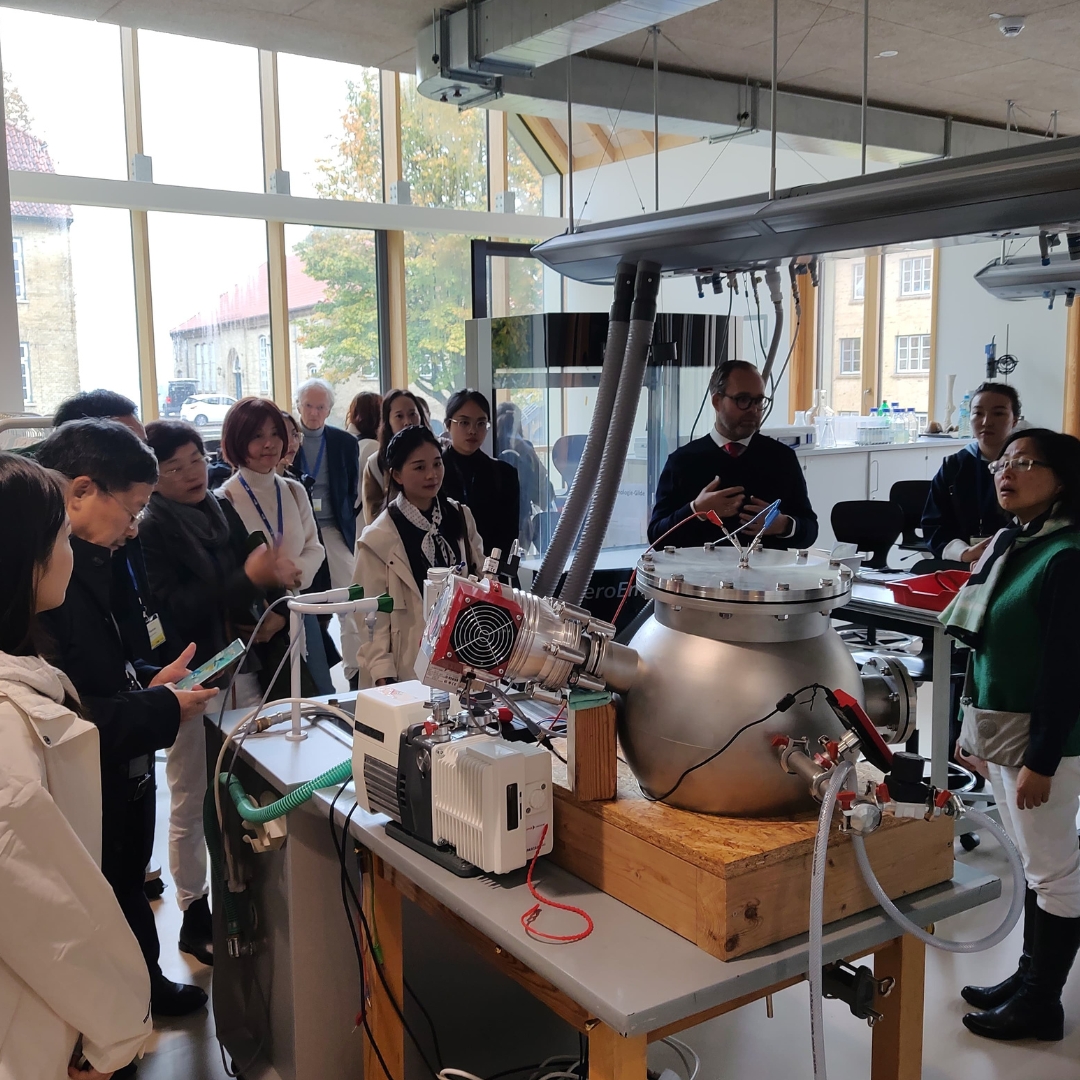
column 952, row 60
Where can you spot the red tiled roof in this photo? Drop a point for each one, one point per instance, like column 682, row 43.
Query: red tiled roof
column 29, row 154
column 251, row 299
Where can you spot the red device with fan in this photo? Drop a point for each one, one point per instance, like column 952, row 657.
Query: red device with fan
column 470, row 632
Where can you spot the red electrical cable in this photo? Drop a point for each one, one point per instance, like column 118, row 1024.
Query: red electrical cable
column 531, row 915
column 678, row 525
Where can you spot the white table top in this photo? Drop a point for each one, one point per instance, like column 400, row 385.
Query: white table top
column 631, row 973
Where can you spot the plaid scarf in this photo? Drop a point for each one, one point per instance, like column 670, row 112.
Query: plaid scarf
column 963, row 618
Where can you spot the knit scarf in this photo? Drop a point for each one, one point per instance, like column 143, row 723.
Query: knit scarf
column 202, row 530
column 963, row 618
column 430, row 529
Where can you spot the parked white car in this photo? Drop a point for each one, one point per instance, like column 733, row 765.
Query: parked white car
column 202, row 409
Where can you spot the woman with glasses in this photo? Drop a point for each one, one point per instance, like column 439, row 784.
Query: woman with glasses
column 210, row 587
column 1017, row 613
column 488, row 487
column 420, row 529
column 400, row 409
column 962, row 510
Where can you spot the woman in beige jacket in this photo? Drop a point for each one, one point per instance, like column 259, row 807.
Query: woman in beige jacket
column 419, row 529
column 74, row 990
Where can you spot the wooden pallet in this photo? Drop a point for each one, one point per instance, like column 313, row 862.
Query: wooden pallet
column 732, row 885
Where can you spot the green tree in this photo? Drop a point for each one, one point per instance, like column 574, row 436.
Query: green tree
column 444, row 159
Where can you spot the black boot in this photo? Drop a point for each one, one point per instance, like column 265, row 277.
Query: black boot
column 990, row 997
column 197, row 932
column 1034, row 1011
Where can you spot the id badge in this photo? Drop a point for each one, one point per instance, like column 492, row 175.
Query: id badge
column 317, row 503
column 154, row 629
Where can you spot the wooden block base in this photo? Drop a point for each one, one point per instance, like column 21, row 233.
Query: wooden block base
column 733, row 885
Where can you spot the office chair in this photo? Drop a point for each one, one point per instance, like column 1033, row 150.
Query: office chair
column 870, row 525
column 566, row 456
column 910, row 496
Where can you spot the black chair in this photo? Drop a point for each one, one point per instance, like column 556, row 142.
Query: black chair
column 870, row 525
column 910, row 496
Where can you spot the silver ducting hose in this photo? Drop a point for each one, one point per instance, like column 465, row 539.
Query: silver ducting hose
column 617, row 438
column 584, row 482
column 772, row 279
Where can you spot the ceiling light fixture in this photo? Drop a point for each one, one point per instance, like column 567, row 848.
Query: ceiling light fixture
column 1009, row 25
column 886, row 54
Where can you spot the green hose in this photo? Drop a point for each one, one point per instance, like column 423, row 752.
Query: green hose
column 213, row 844
column 259, row 815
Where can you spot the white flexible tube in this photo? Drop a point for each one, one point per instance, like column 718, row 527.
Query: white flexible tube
column 817, row 913
column 991, row 939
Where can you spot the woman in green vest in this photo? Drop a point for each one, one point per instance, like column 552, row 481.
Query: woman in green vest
column 1020, row 614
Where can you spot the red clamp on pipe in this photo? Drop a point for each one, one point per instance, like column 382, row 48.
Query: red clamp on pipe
column 506, row 716
column 430, row 727
column 846, row 799
column 832, row 748
column 780, row 742
column 942, row 799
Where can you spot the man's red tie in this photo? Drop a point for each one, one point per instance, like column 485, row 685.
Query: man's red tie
column 735, row 449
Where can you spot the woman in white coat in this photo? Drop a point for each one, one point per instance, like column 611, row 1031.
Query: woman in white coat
column 74, row 989
column 419, row 529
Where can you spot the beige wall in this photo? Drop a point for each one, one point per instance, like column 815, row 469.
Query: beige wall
column 47, row 316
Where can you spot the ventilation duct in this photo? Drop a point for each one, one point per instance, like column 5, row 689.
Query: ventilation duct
column 463, row 55
column 1025, row 279
column 1023, row 188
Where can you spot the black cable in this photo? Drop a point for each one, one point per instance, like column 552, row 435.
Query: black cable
column 430, row 1023
column 723, row 350
column 782, row 705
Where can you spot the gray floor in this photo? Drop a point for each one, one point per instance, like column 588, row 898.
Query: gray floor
column 745, row 1045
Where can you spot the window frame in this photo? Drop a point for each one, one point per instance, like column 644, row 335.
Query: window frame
column 924, row 357
column 27, row 375
column 858, row 281
column 854, row 360
column 18, row 252
column 923, row 275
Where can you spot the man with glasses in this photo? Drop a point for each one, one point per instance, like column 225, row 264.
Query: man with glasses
column 330, row 458
column 735, row 472
column 99, row 637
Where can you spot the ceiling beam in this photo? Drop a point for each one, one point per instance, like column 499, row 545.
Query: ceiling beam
column 550, row 141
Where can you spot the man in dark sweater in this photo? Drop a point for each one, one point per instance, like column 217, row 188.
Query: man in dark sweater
column 734, row 471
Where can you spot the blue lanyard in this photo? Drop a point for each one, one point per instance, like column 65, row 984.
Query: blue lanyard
column 266, row 521
column 318, row 461
column 135, row 586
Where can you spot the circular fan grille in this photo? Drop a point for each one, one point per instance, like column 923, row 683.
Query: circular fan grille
column 483, row 635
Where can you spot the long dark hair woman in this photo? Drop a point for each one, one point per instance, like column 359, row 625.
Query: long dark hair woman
column 420, row 529
column 1022, row 716
column 489, row 488
column 400, row 409
column 61, row 921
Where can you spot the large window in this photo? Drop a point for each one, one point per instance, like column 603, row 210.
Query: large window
column 77, row 318
column 24, row 366
column 209, row 312
column 850, row 356
column 20, row 268
column 201, row 116
column 916, row 276
column 443, row 151
column 63, row 95
column 333, row 310
column 331, row 142
column 912, row 354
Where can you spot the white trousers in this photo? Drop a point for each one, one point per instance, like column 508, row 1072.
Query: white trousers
column 342, row 562
column 185, row 771
column 1046, row 836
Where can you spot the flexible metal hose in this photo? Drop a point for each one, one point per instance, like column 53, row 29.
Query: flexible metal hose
column 584, row 482
column 772, row 280
column 617, row 440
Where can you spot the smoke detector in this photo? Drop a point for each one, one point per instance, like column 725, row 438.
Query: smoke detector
column 1009, row 25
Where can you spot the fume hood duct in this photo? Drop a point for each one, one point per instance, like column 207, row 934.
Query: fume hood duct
column 1023, row 188
column 1025, row 279
column 462, row 56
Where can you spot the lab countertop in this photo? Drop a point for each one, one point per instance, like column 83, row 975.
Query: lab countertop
column 631, row 973
column 948, row 445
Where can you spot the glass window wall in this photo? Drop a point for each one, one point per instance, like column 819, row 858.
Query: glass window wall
column 906, row 305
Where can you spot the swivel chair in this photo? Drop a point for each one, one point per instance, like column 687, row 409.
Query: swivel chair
column 870, row 525
column 910, row 496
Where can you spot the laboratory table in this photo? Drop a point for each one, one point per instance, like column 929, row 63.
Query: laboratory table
column 627, row 984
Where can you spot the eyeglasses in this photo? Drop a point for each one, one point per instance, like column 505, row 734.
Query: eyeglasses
column 193, row 465
column 135, row 518
column 479, row 426
column 1017, row 464
column 745, row 402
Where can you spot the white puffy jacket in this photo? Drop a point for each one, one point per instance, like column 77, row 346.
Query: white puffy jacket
column 69, row 964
